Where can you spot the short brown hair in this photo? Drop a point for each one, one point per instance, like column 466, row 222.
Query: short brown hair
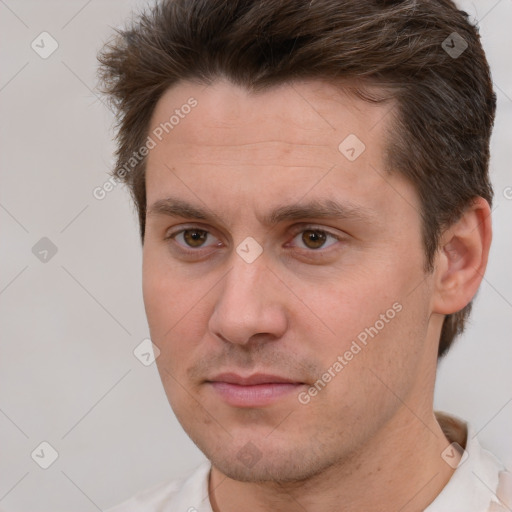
column 445, row 101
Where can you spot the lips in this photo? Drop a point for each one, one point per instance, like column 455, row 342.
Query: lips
column 258, row 378
column 257, row 390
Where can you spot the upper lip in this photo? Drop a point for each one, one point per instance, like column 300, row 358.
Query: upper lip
column 257, row 378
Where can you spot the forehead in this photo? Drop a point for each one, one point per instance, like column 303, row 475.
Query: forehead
column 316, row 113
column 281, row 143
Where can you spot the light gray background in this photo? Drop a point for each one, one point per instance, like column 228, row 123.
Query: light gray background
column 70, row 325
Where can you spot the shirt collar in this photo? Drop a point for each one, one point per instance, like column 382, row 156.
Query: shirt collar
column 473, row 485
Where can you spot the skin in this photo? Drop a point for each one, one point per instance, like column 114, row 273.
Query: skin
column 369, row 437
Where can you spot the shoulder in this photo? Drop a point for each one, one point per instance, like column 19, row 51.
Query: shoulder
column 189, row 494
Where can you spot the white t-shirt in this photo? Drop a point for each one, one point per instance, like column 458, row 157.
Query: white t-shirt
column 477, row 485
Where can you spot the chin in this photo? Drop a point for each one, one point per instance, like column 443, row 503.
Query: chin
column 260, row 467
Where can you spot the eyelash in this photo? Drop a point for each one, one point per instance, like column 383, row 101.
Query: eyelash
column 191, row 251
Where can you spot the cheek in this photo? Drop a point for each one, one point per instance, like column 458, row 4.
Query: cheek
column 158, row 293
column 366, row 313
column 164, row 300
column 177, row 314
column 348, row 302
column 166, row 294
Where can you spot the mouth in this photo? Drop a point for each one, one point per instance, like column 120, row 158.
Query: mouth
column 256, row 390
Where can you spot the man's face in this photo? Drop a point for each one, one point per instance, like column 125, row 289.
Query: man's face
column 279, row 246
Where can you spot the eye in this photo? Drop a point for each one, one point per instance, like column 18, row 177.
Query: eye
column 314, row 239
column 194, row 238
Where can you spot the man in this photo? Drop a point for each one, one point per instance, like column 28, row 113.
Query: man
column 312, row 185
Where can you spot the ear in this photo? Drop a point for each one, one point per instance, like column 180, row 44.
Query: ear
column 462, row 258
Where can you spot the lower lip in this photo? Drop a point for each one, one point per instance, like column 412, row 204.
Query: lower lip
column 254, row 396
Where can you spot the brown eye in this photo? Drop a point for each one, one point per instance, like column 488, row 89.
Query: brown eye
column 313, row 239
column 194, row 237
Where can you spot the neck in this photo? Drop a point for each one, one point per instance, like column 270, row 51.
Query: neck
column 399, row 469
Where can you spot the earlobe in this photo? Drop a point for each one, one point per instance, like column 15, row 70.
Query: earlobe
column 462, row 258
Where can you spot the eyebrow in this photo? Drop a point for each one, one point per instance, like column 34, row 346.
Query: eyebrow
column 318, row 208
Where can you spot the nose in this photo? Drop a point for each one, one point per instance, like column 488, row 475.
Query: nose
column 250, row 304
